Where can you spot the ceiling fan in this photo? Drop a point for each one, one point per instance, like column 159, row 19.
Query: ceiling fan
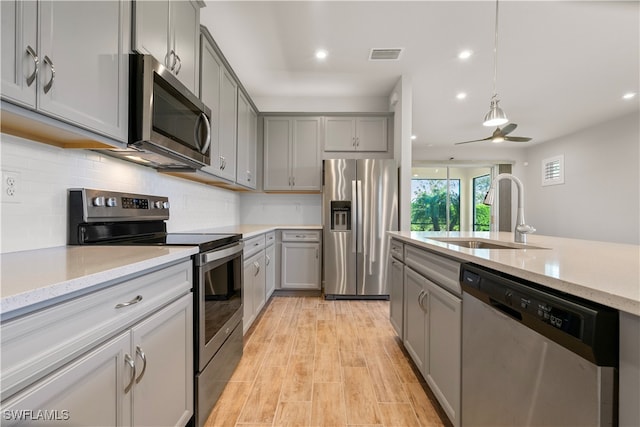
column 500, row 135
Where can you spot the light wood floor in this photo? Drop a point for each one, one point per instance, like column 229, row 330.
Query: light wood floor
column 311, row 362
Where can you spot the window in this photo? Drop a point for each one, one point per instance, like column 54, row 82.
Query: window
column 429, row 205
column 481, row 212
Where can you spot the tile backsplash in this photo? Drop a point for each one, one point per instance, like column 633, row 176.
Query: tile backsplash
column 39, row 218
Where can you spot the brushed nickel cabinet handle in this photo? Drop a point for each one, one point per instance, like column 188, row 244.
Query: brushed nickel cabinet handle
column 267, row 260
column 143, row 356
column 32, row 53
column 132, row 364
column 49, row 84
column 136, row 300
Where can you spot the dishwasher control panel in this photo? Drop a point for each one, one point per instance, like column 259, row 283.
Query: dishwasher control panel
column 519, row 299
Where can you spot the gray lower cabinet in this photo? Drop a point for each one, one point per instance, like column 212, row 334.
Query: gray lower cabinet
column 300, row 253
column 254, row 291
column 122, row 381
column 433, row 326
column 395, row 272
column 270, row 264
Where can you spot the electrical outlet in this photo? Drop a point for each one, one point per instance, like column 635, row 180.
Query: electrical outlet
column 10, row 187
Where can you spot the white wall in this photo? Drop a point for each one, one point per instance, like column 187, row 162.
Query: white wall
column 402, row 95
column 46, row 172
column 284, row 209
column 600, row 199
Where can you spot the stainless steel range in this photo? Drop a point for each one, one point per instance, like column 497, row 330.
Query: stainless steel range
column 98, row 217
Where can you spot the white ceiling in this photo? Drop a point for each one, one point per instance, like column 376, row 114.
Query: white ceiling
column 562, row 65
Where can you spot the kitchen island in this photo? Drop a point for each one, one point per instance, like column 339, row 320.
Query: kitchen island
column 602, row 272
column 607, row 273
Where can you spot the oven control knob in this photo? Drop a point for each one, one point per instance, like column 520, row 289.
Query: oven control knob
column 165, row 205
column 98, row 201
column 157, row 204
column 112, row 202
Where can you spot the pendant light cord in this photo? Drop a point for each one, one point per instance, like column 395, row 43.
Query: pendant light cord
column 495, row 57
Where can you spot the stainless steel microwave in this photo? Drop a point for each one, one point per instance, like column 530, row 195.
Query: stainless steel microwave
column 169, row 127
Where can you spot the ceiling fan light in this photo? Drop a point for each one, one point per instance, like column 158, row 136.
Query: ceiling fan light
column 495, row 116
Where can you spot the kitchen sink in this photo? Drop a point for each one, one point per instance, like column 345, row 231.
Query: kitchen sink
column 474, row 243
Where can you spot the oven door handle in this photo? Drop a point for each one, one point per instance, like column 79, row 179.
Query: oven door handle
column 221, row 253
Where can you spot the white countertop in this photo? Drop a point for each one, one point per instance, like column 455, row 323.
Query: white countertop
column 250, row 230
column 607, row 273
column 33, row 279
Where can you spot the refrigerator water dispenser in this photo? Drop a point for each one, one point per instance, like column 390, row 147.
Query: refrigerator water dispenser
column 340, row 215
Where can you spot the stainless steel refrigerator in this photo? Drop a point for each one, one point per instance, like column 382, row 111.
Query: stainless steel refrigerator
column 360, row 203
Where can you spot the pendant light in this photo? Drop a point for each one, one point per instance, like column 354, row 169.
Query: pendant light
column 495, row 116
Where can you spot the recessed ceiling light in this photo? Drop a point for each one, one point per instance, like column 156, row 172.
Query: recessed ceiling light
column 465, row 54
column 321, row 54
column 461, row 95
column 413, row 137
column 629, row 95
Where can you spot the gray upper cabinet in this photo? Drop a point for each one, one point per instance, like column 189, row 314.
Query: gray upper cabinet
column 68, row 60
column 355, row 134
column 247, row 143
column 292, row 154
column 219, row 91
column 170, row 32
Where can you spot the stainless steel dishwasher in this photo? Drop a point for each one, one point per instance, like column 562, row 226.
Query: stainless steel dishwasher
column 532, row 356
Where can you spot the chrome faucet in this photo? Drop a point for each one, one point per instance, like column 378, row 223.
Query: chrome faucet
column 522, row 229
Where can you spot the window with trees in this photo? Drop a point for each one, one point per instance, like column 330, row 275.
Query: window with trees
column 481, row 212
column 429, row 205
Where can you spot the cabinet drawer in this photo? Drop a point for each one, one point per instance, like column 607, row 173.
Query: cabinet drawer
column 441, row 270
column 300, row 235
column 36, row 344
column 253, row 246
column 396, row 248
column 270, row 238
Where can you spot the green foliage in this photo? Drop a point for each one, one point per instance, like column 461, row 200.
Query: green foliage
column 429, row 207
column 483, row 215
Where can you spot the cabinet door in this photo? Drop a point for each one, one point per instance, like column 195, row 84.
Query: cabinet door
column 300, row 265
column 277, row 137
column 270, row 270
column 396, row 295
column 444, row 334
column 340, row 134
column 152, row 29
column 414, row 317
column 18, row 72
column 306, row 165
column 185, row 28
column 89, row 391
column 247, row 150
column 211, row 69
column 163, row 351
column 228, row 121
column 371, row 134
column 248, row 314
column 259, row 284
column 90, row 83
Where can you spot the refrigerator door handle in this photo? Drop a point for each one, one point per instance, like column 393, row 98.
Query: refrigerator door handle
column 359, row 213
column 354, row 220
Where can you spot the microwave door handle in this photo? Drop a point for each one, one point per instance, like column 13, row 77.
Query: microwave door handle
column 196, row 133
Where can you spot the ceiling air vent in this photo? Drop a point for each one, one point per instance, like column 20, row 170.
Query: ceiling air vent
column 385, row 54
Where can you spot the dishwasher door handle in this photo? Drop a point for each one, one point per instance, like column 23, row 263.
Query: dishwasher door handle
column 506, row 309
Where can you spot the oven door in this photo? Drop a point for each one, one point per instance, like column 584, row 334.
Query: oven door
column 218, row 299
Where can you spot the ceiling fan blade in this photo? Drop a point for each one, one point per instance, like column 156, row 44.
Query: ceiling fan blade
column 508, row 128
column 475, row 140
column 517, row 138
